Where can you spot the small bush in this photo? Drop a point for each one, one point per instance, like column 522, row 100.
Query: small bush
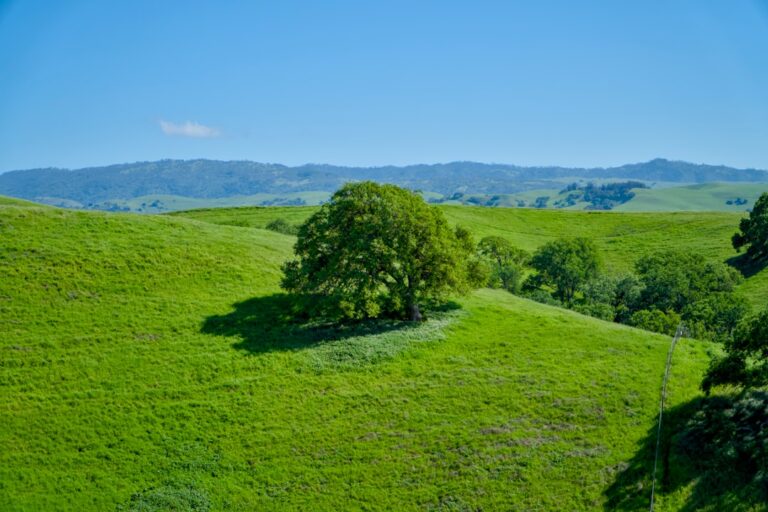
column 656, row 321
column 543, row 297
column 168, row 498
column 283, row 226
column 597, row 310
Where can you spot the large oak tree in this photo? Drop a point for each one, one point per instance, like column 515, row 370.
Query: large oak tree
column 376, row 249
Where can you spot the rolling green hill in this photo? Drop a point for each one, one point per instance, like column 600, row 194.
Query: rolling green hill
column 169, row 185
column 148, row 360
column 703, row 197
column 159, row 203
column 621, row 237
column 12, row 201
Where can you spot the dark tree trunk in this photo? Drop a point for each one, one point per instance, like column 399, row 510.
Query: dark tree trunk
column 414, row 315
column 411, row 305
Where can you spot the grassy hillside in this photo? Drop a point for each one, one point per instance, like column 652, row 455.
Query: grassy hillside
column 148, row 359
column 12, row 201
column 621, row 237
column 246, row 216
column 663, row 196
column 158, row 203
column 704, row 197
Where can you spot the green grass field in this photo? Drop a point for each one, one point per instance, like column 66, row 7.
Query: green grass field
column 150, row 357
column 704, row 197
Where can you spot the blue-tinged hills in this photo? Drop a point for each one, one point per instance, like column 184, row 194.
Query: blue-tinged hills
column 222, row 179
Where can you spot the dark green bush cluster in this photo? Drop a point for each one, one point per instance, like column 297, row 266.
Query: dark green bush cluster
column 687, row 287
column 599, row 197
column 727, row 443
column 745, row 362
column 283, row 226
column 667, row 288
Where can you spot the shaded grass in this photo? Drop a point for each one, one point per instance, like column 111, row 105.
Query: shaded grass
column 269, row 323
column 700, row 469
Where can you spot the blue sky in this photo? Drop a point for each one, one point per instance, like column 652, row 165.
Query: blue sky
column 588, row 83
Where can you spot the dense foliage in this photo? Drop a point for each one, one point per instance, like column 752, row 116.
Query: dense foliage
column 674, row 279
column 374, row 250
column 507, row 262
column 599, row 197
column 753, row 230
column 566, row 265
column 668, row 287
column 725, row 443
column 281, row 225
column 745, row 362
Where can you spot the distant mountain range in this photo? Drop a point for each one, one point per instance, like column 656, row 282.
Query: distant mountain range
column 208, row 179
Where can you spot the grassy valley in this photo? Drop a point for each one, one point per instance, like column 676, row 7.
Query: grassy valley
column 152, row 358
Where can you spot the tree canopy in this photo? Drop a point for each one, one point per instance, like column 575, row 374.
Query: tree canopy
column 745, row 362
column 674, row 279
column 377, row 249
column 566, row 265
column 507, row 261
column 753, row 230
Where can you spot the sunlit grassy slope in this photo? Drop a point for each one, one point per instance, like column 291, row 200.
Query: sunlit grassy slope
column 163, row 202
column 148, row 358
column 702, row 197
column 621, row 237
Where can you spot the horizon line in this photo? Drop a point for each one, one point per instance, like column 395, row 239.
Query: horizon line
column 306, row 164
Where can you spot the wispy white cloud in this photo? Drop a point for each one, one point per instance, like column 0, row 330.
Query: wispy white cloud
column 189, row 129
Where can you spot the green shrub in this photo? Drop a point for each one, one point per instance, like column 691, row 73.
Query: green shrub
column 283, row 226
column 169, row 498
column 597, row 310
column 716, row 316
column 656, row 320
column 543, row 297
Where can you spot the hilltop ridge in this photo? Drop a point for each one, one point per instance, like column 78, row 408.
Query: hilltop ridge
column 103, row 187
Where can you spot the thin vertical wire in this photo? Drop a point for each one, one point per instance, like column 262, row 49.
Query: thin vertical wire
column 678, row 335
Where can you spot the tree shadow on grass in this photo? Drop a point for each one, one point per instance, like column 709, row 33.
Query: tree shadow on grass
column 716, row 446
column 746, row 265
column 276, row 322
